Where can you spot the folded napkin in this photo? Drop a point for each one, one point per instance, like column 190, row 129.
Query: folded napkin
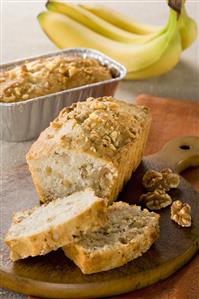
column 171, row 118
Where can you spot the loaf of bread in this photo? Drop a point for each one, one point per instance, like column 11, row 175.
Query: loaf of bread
column 95, row 144
column 48, row 75
column 128, row 233
column 45, row 228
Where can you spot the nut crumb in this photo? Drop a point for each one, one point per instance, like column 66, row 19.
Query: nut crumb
column 49, row 136
column 181, row 213
column 72, row 71
column 17, row 91
column 56, row 124
column 25, row 96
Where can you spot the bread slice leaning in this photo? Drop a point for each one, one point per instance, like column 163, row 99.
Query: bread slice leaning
column 53, row 225
column 128, row 233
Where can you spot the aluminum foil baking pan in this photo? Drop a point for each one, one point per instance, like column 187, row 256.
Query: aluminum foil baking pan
column 25, row 120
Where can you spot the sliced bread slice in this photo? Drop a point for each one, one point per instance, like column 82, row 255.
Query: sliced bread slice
column 128, row 233
column 53, row 225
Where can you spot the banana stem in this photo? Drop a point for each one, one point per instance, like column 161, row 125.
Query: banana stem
column 176, row 5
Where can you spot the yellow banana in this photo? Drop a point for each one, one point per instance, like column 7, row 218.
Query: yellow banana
column 97, row 24
column 167, row 61
column 66, row 33
column 119, row 20
column 187, row 28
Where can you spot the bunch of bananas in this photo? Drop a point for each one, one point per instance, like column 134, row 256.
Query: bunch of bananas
column 146, row 51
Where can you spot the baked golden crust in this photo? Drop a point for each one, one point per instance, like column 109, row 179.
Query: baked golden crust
column 109, row 131
column 49, row 75
column 103, row 127
column 123, row 239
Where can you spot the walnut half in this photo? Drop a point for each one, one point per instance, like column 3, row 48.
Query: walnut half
column 151, row 179
column 156, row 200
column 170, row 180
column 165, row 179
column 181, row 213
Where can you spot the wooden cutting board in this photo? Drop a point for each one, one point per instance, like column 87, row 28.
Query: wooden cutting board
column 54, row 276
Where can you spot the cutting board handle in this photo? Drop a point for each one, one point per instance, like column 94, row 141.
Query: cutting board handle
column 179, row 153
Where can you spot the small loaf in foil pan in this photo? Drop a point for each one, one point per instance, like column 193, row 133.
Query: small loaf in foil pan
column 20, row 121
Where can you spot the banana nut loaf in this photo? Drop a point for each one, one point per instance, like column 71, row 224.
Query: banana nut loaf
column 48, row 75
column 96, row 143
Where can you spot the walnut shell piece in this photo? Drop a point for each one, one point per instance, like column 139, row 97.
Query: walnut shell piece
column 181, row 213
column 156, row 200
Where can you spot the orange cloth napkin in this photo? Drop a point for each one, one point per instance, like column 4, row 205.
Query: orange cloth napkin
column 171, row 118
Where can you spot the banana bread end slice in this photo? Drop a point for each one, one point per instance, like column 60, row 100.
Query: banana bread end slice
column 128, row 233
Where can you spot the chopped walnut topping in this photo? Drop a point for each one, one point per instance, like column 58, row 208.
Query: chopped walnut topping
column 181, row 213
column 17, row 91
column 156, row 200
column 72, row 71
column 114, row 135
column 25, row 96
column 101, row 128
column 93, row 149
column 49, row 75
column 103, row 133
column 165, row 180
